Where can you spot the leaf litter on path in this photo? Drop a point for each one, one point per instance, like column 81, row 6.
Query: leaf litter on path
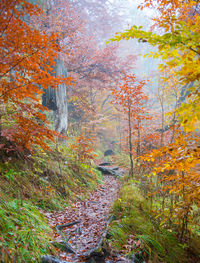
column 93, row 214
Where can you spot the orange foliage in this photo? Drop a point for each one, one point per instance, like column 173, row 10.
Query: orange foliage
column 176, row 165
column 131, row 99
column 130, row 94
column 83, row 148
column 27, row 58
column 170, row 10
column 177, row 168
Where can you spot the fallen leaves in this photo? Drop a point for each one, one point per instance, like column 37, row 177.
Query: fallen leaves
column 92, row 213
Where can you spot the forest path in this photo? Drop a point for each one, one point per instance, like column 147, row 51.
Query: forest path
column 93, row 214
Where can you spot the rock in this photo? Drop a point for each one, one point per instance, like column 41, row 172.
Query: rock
column 109, row 171
column 133, row 259
column 105, row 164
column 109, row 152
column 62, row 246
column 115, row 168
column 96, row 257
column 137, row 258
column 52, row 259
column 60, row 227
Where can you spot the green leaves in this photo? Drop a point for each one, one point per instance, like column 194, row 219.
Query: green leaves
column 10, row 174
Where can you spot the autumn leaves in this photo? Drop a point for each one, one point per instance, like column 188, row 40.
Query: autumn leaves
column 27, row 56
column 175, row 165
column 130, row 100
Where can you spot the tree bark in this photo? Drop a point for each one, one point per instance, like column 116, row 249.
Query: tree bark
column 130, row 140
column 138, row 142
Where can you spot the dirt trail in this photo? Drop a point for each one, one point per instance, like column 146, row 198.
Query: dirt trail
column 93, row 215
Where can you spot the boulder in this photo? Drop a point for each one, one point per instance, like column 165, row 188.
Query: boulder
column 109, row 171
column 105, row 164
column 109, row 152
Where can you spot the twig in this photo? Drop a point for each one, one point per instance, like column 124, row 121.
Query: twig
column 65, row 240
column 60, row 227
column 92, row 250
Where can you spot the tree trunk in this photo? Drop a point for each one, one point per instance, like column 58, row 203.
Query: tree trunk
column 56, row 100
column 130, row 141
column 120, row 135
column 138, row 139
column 0, row 123
column 162, row 128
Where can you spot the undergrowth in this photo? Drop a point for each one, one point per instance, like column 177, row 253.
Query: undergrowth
column 24, row 234
column 35, row 181
column 136, row 232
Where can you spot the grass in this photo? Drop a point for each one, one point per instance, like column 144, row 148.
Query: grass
column 46, row 180
column 24, row 233
column 136, row 232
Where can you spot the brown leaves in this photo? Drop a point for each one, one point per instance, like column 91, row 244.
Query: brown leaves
column 93, row 214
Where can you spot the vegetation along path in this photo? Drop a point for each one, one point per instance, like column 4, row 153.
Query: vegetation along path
column 87, row 222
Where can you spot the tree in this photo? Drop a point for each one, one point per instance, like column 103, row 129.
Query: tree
column 102, row 17
column 131, row 99
column 179, row 49
column 27, row 57
column 176, row 164
column 92, row 66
